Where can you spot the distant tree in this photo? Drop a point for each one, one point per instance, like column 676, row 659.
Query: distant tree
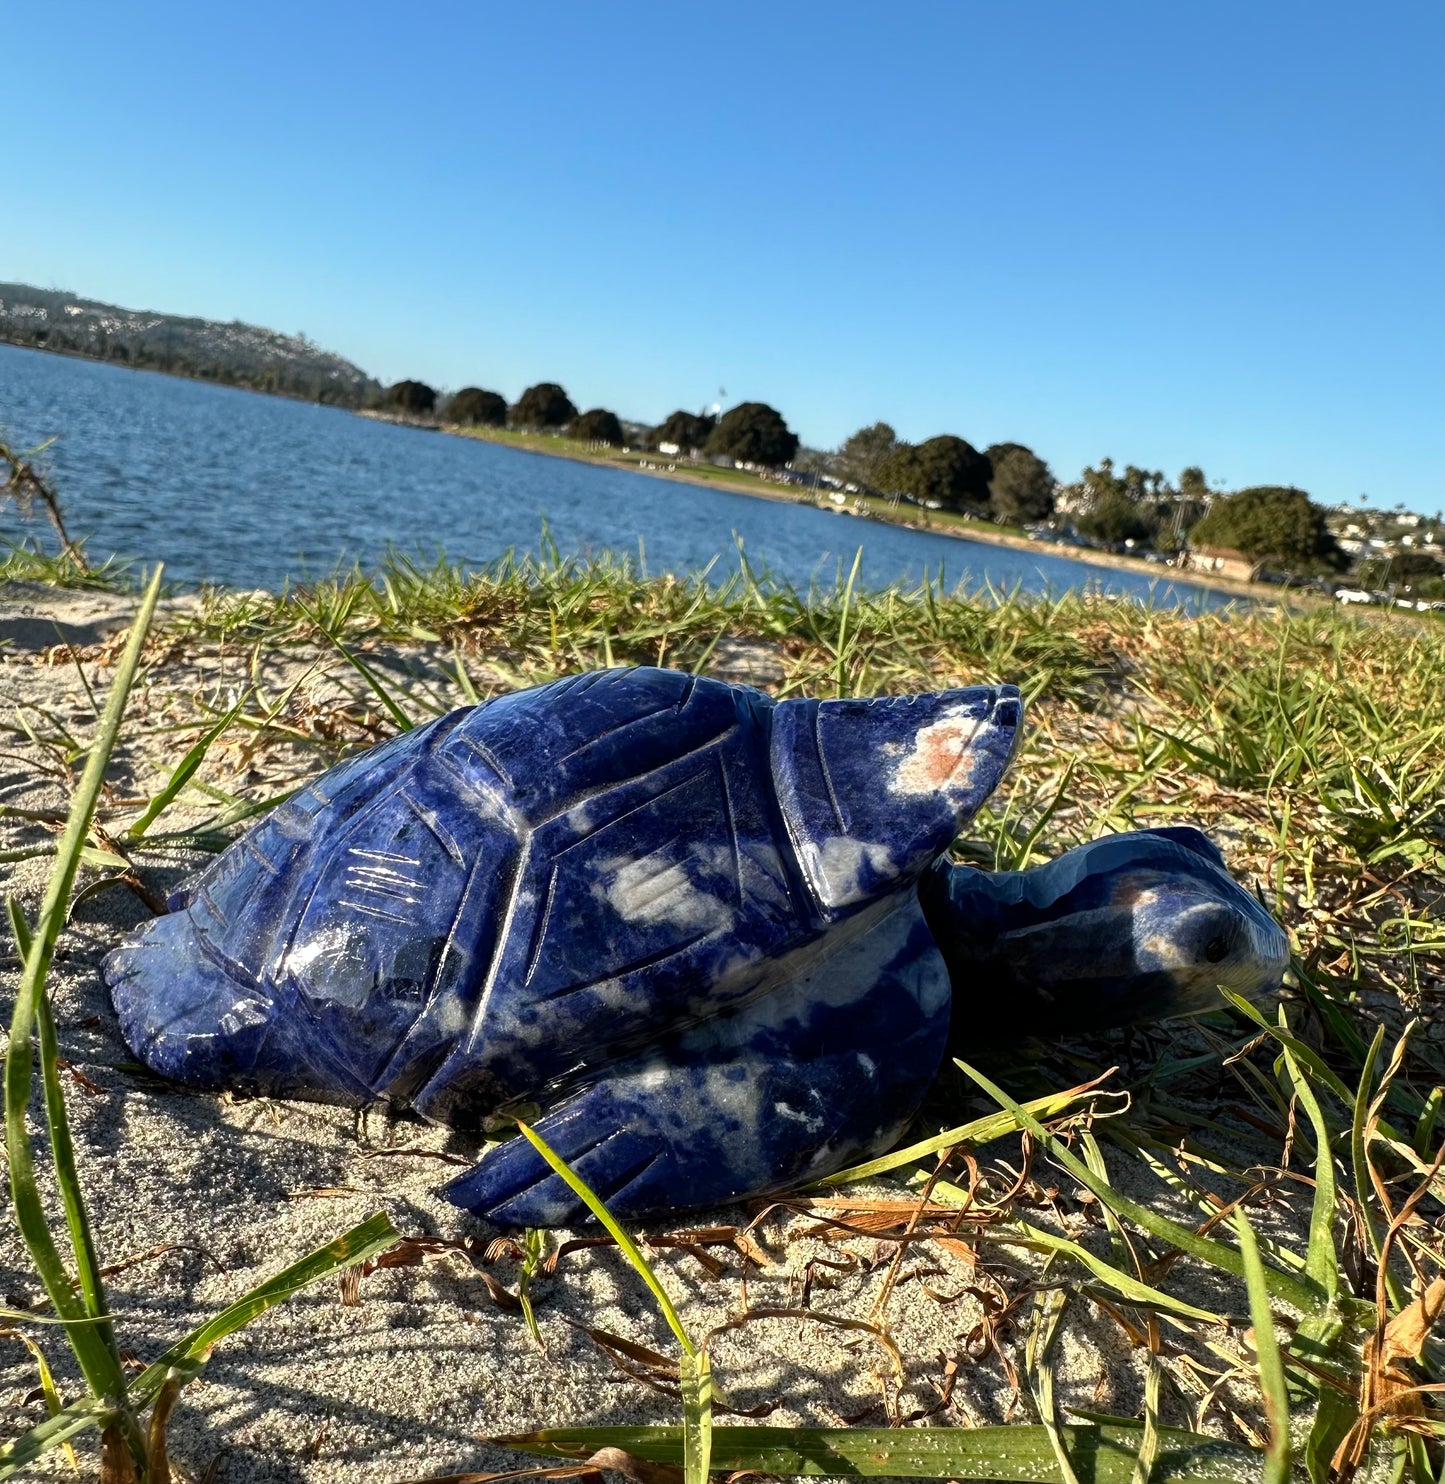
column 1177, row 510
column 475, row 408
column 945, row 469
column 596, row 426
column 1115, row 518
column 545, row 405
column 1275, row 524
column 687, row 431
column 413, row 398
column 1416, row 573
column 1095, row 484
column 1412, row 574
column 897, row 472
column 753, row 433
column 1022, row 485
column 1192, row 483
column 863, row 455
column 1115, row 507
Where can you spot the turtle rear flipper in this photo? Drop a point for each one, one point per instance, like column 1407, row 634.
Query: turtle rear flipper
column 793, row 1086
column 192, row 1018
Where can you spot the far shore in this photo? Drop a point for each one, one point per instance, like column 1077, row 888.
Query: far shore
column 658, row 466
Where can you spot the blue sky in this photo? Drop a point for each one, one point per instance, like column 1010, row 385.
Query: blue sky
column 1169, row 234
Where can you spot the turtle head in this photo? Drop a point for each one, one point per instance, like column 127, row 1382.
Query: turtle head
column 874, row 791
column 1128, row 928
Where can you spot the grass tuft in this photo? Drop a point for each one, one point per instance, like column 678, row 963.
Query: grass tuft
column 1173, row 1181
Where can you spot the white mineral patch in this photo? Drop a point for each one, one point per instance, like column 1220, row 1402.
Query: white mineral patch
column 333, row 965
column 784, row 1111
column 835, row 868
column 651, row 891
column 449, row 1015
column 700, row 1097
column 941, row 759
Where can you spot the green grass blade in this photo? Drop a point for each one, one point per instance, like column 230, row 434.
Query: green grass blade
column 1049, row 1305
column 47, row 1385
column 694, row 1370
column 533, row 1249
column 187, row 1356
column 61, row 1145
column 55, row 1432
column 1359, row 1166
column 1317, row 1337
column 1094, row 1158
column 93, row 1345
column 1271, row 1367
column 840, row 676
column 695, row 1377
column 371, row 1236
column 1334, row 1416
column 1103, row 1454
column 1322, row 1263
column 1425, row 1127
column 403, row 722
column 1131, row 1289
column 1025, row 851
column 181, row 776
column 1306, row 1055
column 464, row 681
column 1149, row 1439
column 630, row 1249
column 1303, row 1294
column 979, row 1131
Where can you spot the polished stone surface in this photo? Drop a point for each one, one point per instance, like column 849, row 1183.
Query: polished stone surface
column 679, row 916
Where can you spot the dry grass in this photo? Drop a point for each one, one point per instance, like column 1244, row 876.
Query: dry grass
column 1308, row 743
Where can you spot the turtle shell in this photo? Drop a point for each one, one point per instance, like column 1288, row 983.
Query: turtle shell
column 512, row 898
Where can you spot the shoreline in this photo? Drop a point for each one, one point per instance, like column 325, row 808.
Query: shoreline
column 918, row 520
column 976, row 531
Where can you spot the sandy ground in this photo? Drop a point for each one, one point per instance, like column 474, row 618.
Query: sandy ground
column 204, row 1196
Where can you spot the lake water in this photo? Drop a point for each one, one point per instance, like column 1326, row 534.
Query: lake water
column 248, row 490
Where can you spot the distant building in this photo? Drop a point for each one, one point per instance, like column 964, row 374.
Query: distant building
column 1222, row 561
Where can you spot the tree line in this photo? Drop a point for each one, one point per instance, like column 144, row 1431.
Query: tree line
column 750, row 433
column 1008, row 483
column 1004, row 482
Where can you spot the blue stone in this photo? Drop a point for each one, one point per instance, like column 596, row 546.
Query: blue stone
column 709, row 933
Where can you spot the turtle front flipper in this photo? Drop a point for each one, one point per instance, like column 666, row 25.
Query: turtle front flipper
column 791, row 1087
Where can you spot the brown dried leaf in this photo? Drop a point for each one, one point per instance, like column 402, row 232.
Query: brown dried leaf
column 639, row 1470
column 653, row 1359
column 502, row 1296
column 401, row 1152
column 1406, row 1333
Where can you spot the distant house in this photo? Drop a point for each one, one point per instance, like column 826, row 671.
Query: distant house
column 1222, row 561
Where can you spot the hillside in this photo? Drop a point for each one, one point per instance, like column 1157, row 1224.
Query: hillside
column 236, row 354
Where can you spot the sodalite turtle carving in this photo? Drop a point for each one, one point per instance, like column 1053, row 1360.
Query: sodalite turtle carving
column 710, row 934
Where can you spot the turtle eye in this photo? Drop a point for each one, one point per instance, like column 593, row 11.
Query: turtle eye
column 1216, row 949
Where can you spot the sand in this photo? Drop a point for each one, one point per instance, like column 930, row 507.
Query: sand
column 409, row 1379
